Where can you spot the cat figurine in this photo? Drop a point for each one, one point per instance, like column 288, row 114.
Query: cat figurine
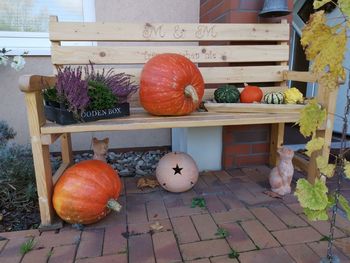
column 100, row 148
column 281, row 176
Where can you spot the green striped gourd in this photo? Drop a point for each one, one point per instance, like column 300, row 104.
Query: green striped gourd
column 273, row 98
column 226, row 94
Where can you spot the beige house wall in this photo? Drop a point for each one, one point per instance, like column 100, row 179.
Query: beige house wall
column 12, row 100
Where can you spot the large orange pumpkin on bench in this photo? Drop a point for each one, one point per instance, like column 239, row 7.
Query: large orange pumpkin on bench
column 86, row 192
column 170, row 85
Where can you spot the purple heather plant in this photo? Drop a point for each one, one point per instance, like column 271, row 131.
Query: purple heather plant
column 72, row 89
column 120, row 84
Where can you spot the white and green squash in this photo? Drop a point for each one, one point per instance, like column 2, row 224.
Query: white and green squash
column 273, row 98
column 226, row 94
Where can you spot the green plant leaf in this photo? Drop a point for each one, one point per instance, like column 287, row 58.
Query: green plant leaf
column 312, row 117
column 320, row 3
column 344, row 6
column 324, row 167
column 310, row 196
column 222, row 233
column 315, row 215
column 347, row 169
column 345, row 205
column 313, row 145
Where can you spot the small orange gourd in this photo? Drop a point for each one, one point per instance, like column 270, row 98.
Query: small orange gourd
column 86, row 192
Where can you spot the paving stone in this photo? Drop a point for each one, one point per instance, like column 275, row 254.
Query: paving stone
column 52, row 239
column 156, row 210
column 301, row 253
column 143, row 228
column 290, row 199
column 246, row 196
column 343, row 244
column 37, row 256
column 236, row 172
column 91, row 243
column 119, row 258
column 297, row 235
column 296, row 208
column 258, row 233
column 205, row 226
column 173, row 201
column 343, row 224
column 113, row 218
column 230, row 201
column 184, row 229
column 20, row 234
column 3, row 244
column 114, row 242
column 11, row 252
column 204, row 249
column 320, row 248
column 323, row 227
column 185, row 211
column 214, row 204
column 223, row 176
column 241, row 214
column 62, row 254
column 210, row 179
column 203, row 260
column 287, row 216
column 268, row 219
column 165, row 247
column 141, row 249
column 136, row 214
column 238, row 239
column 271, row 255
column 223, row 259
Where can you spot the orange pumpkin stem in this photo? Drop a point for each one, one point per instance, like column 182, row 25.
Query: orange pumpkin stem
column 114, row 205
column 191, row 92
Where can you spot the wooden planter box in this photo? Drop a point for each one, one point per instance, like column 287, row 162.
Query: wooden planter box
column 60, row 115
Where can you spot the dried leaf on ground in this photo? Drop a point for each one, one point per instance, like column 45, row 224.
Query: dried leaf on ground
column 272, row 194
column 156, row 226
column 147, row 182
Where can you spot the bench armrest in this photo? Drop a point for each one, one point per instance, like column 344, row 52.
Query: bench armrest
column 31, row 83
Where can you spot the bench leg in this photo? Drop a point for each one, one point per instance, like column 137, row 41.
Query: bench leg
column 276, row 140
column 66, row 148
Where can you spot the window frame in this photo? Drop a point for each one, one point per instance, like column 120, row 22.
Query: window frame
column 31, row 38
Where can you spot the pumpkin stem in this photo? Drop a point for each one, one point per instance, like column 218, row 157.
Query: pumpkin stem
column 190, row 91
column 114, row 205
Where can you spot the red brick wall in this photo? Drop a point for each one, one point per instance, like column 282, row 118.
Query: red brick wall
column 248, row 144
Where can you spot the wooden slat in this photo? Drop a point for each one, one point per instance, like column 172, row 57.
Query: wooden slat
column 144, row 120
column 299, row 76
column 300, row 162
column 30, row 83
column 48, row 139
column 213, row 75
column 253, row 107
column 100, row 31
column 139, row 55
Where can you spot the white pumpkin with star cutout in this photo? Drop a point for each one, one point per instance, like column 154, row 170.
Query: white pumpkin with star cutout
column 177, row 172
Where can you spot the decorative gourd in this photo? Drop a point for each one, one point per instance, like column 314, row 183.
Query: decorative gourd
column 86, row 192
column 251, row 94
column 170, row 85
column 177, row 172
column 293, row 96
column 226, row 94
column 274, row 98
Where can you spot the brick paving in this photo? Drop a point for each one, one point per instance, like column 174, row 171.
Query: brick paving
column 259, row 228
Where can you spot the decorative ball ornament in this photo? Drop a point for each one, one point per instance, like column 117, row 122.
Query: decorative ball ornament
column 177, row 172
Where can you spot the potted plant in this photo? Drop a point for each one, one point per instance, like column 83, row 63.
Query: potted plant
column 99, row 95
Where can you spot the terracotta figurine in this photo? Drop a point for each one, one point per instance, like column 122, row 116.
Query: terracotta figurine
column 100, row 148
column 281, row 176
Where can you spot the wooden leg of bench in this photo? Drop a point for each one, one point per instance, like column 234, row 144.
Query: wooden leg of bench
column 276, row 140
column 43, row 174
column 66, row 148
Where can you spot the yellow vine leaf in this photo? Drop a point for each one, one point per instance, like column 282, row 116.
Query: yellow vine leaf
column 313, row 145
column 347, row 169
column 324, row 167
column 320, row 3
column 325, row 45
column 312, row 117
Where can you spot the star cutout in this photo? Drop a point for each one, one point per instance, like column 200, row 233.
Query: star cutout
column 177, row 169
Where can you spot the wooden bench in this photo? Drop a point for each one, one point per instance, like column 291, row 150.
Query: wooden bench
column 238, row 53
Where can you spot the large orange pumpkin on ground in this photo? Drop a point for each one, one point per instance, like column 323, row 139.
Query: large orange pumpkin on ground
column 86, row 192
column 170, row 85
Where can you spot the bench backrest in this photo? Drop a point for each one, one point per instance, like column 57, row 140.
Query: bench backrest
column 228, row 53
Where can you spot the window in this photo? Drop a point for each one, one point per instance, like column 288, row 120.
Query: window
column 24, row 23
